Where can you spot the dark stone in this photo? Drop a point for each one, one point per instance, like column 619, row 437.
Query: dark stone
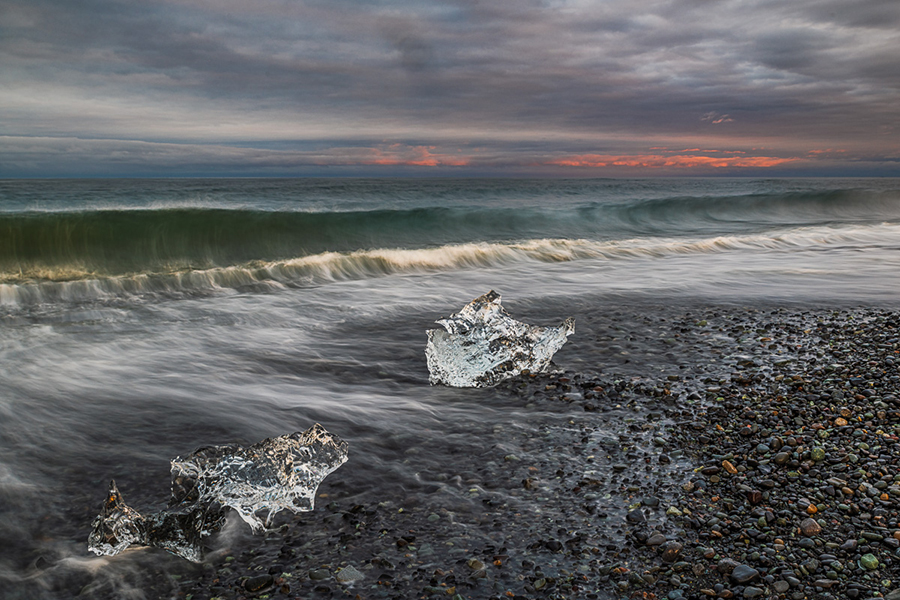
column 809, row 527
column 726, row 566
column 849, row 545
column 744, row 574
column 553, row 545
column 781, row 458
column 671, row 552
column 259, row 583
column 635, row 516
column 656, row 539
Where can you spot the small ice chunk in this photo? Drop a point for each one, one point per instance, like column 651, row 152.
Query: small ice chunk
column 180, row 531
column 349, row 574
column 117, row 526
column 482, row 345
column 272, row 475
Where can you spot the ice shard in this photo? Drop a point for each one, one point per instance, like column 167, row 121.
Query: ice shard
column 117, row 526
column 482, row 345
column 273, row 475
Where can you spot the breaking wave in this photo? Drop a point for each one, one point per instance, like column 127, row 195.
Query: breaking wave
column 323, row 268
column 56, row 246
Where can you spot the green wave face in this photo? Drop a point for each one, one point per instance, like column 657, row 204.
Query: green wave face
column 88, row 244
column 66, row 245
column 54, row 246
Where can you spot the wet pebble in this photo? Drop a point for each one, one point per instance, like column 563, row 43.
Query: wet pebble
column 259, row 583
column 744, row 574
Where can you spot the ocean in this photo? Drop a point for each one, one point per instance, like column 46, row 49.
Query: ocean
column 141, row 319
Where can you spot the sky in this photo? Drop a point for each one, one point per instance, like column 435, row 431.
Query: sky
column 568, row 88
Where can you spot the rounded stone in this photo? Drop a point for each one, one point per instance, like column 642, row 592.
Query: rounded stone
column 744, row 574
column 671, row 552
column 259, row 583
column 809, row 527
column 868, row 562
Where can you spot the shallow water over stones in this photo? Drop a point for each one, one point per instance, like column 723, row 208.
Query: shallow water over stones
column 681, row 459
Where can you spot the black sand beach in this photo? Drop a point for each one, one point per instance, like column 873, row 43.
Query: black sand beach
column 721, row 452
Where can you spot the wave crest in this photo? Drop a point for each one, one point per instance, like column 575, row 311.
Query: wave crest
column 326, row 267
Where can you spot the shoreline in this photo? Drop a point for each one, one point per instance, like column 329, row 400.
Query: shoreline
column 619, row 488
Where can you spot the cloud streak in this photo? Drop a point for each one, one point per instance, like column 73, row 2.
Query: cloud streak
column 530, row 82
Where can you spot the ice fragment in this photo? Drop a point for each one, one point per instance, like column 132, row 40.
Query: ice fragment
column 482, row 345
column 272, row 475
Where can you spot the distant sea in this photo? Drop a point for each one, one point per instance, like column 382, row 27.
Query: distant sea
column 140, row 319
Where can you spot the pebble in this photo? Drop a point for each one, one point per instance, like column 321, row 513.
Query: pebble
column 656, row 539
column 671, row 552
column 868, row 561
column 809, row 527
column 726, row 566
column 744, row 574
column 259, row 583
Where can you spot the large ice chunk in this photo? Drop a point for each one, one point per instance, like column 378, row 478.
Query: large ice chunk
column 482, row 345
column 275, row 474
column 272, row 475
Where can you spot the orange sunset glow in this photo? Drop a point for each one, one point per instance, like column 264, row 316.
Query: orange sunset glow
column 654, row 161
column 418, row 156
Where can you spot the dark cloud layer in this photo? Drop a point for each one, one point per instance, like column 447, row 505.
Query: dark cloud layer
column 297, row 86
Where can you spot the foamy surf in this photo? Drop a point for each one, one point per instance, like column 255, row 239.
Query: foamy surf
column 329, row 267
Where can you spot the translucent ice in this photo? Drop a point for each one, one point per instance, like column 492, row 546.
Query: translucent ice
column 482, row 345
column 273, row 475
column 179, row 529
column 117, row 526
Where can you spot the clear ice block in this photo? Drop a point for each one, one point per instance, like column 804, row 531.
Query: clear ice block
column 273, row 475
column 482, row 345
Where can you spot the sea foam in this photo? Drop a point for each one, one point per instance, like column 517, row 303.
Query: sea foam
column 328, row 267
